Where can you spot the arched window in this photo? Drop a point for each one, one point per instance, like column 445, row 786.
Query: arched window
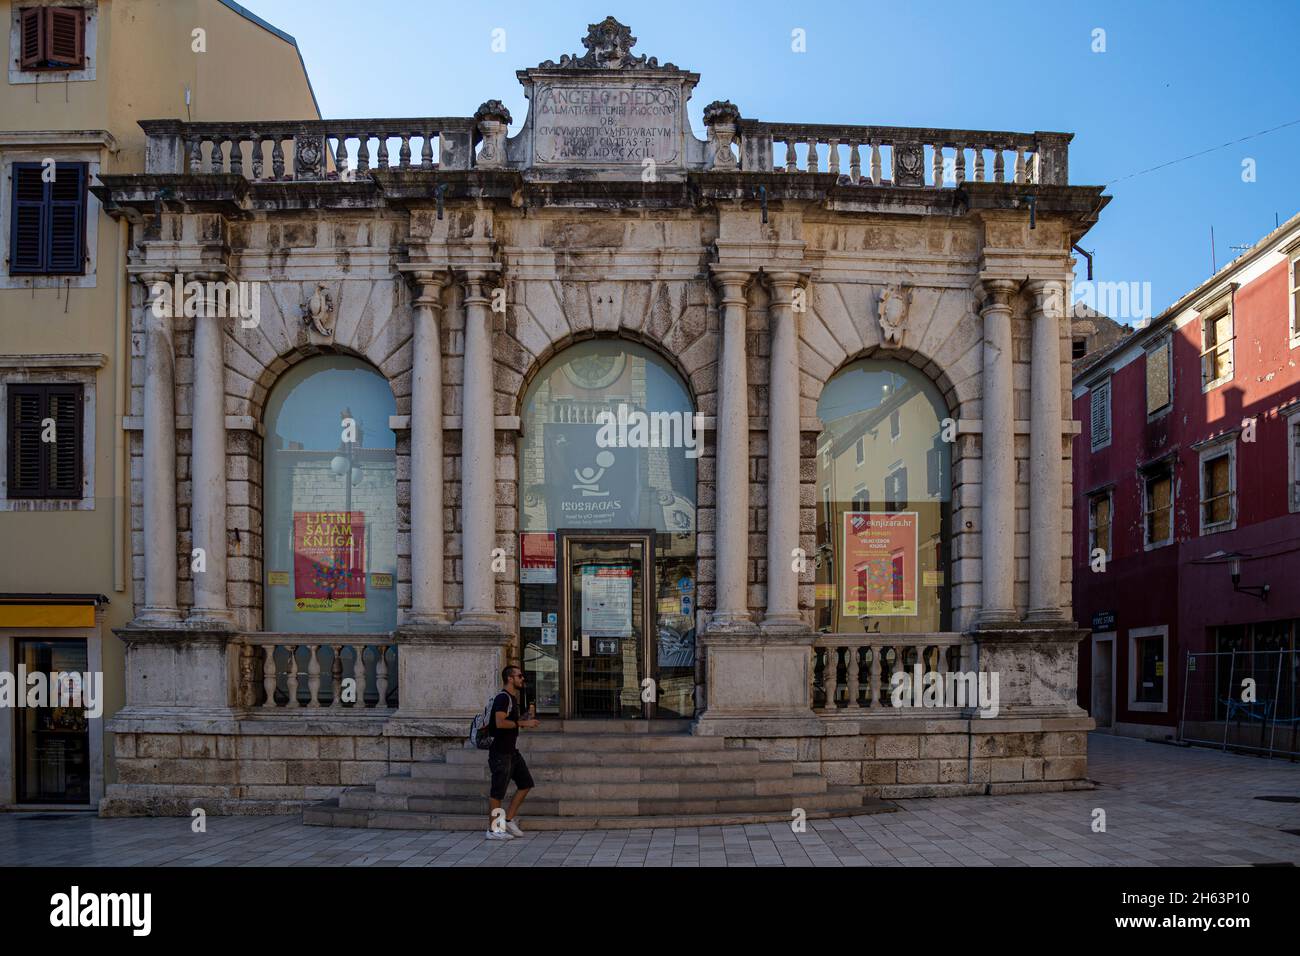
column 330, row 501
column 883, row 502
column 607, row 462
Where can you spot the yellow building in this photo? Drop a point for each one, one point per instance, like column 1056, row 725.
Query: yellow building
column 81, row 75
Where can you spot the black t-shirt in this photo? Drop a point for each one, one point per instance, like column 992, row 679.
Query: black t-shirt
column 503, row 741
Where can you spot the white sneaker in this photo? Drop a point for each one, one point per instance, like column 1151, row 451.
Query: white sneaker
column 514, row 828
column 500, row 834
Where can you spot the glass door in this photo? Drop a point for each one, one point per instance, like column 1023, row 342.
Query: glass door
column 606, row 623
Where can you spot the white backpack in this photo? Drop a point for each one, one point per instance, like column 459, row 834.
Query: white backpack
column 480, row 729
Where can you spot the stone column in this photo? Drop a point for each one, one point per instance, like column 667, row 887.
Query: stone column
column 426, row 453
column 1045, row 487
column 208, row 463
column 782, row 454
column 732, row 434
column 159, row 456
column 998, row 463
column 478, row 459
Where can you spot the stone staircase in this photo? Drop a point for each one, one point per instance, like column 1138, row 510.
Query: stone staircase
column 602, row 774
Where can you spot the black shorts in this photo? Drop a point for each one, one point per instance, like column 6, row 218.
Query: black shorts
column 507, row 767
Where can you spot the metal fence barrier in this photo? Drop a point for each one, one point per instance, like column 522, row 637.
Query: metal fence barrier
column 1242, row 700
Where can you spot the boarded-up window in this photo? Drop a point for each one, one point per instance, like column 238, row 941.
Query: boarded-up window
column 44, row 441
column 1216, row 348
column 1100, row 398
column 1295, row 297
column 1157, row 504
column 1216, row 490
column 1099, row 523
column 1158, row 391
column 52, row 38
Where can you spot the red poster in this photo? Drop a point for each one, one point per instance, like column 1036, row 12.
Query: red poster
column 880, row 559
column 537, row 557
column 329, row 560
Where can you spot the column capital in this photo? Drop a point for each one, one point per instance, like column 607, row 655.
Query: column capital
column 781, row 283
column 1046, row 297
column 996, row 294
column 731, row 282
column 475, row 278
column 428, row 285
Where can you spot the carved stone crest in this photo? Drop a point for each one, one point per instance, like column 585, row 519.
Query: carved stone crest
column 892, row 310
column 609, row 47
column 318, row 312
column 307, row 154
column 908, row 169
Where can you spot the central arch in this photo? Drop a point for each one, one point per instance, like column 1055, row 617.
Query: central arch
column 607, row 552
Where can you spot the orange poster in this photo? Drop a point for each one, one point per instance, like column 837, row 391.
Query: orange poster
column 880, row 559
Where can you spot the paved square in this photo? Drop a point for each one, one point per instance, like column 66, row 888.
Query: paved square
column 1164, row 806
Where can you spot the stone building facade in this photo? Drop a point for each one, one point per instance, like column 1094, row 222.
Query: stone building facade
column 753, row 267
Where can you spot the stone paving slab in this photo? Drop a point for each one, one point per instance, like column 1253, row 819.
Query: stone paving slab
column 1164, row 806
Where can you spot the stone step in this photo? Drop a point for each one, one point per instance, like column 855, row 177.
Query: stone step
column 544, row 772
column 612, row 758
column 625, row 743
column 551, row 725
column 610, row 806
column 330, row 814
column 589, row 790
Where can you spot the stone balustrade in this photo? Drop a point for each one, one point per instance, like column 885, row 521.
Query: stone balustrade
column 277, row 151
column 904, row 156
column 851, row 672
column 279, row 672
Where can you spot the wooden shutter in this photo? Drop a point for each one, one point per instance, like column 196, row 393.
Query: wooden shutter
column 63, row 455
column 67, row 219
column 32, row 24
column 64, row 36
column 41, row 469
column 24, row 441
column 27, row 230
column 1100, row 411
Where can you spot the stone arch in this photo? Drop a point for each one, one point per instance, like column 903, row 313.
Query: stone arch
column 271, row 374
column 953, row 395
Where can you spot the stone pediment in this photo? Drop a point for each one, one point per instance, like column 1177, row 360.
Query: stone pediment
column 607, row 114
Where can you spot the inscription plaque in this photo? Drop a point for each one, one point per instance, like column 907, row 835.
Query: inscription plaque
column 607, row 125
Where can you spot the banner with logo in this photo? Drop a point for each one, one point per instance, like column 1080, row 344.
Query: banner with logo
column 329, row 561
column 588, row 486
column 880, row 563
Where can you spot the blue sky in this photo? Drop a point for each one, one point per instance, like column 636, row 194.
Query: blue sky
column 1175, row 79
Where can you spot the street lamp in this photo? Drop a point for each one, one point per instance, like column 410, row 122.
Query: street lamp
column 1234, row 570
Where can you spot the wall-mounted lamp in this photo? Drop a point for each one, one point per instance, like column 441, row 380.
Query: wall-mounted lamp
column 1234, row 569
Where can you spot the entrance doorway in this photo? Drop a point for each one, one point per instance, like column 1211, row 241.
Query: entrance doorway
column 1103, row 680
column 606, row 619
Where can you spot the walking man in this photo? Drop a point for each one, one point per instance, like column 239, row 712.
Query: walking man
column 505, row 762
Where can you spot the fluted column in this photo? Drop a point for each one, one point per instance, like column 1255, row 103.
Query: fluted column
column 478, row 458
column 1045, row 487
column 159, row 463
column 998, row 462
column 426, row 452
column 732, row 497
column 208, row 462
column 782, row 453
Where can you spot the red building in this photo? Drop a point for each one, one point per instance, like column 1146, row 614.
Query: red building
column 1187, row 469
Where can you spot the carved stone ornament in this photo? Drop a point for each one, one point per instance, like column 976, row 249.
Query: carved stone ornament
column 721, row 117
column 492, row 119
column 908, row 170
column 318, row 312
column 609, row 47
column 892, row 309
column 307, row 153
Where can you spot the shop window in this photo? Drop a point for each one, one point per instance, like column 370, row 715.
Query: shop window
column 1158, row 505
column 44, row 441
column 882, row 561
column 52, row 38
column 1099, row 398
column 47, row 232
column 53, row 742
column 1148, row 656
column 330, row 502
column 1159, row 394
column 1218, row 488
column 1099, row 523
column 1216, row 349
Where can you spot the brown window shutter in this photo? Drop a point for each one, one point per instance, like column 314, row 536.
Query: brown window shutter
column 63, row 471
column 24, row 441
column 64, row 33
column 33, row 33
